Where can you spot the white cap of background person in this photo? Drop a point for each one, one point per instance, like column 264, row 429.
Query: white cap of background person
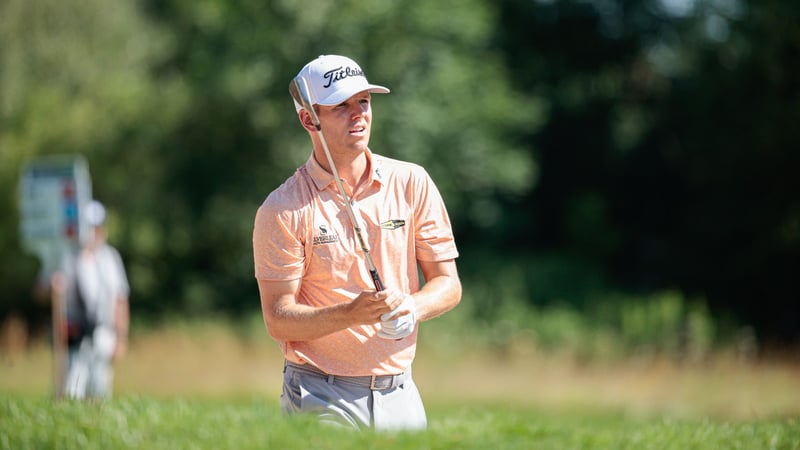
column 332, row 79
column 95, row 213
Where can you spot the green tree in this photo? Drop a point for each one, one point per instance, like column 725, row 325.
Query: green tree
column 668, row 158
column 197, row 124
column 75, row 79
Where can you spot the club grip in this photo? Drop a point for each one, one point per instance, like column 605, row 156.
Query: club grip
column 377, row 280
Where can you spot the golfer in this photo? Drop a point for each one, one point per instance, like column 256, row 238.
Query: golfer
column 348, row 346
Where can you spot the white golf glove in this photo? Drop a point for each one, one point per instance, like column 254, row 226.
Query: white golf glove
column 398, row 327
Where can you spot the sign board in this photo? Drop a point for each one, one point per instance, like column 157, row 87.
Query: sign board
column 53, row 191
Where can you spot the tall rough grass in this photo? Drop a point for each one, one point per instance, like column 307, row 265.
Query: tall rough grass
column 135, row 422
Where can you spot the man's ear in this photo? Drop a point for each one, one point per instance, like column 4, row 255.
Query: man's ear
column 305, row 119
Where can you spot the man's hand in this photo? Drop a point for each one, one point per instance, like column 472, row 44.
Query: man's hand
column 401, row 321
column 58, row 283
column 120, row 349
column 370, row 306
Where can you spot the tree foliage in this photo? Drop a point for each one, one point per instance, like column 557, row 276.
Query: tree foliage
column 651, row 143
column 669, row 153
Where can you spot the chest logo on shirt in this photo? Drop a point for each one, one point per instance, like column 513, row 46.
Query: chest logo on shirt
column 323, row 236
column 393, row 224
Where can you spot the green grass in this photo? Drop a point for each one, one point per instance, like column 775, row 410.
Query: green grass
column 214, row 386
column 138, row 422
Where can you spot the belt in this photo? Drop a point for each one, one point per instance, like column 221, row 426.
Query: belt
column 373, row 382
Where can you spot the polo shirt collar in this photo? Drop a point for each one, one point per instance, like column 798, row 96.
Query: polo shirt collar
column 322, row 178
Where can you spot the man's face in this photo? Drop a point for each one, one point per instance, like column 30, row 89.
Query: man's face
column 347, row 125
column 97, row 236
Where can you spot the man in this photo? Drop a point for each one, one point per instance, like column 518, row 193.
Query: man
column 93, row 283
column 349, row 347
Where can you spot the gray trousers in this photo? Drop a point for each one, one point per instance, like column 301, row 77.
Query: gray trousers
column 383, row 403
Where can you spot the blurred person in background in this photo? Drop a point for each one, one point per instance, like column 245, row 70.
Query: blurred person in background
column 349, row 346
column 92, row 283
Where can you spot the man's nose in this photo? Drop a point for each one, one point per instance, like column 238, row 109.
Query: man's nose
column 359, row 109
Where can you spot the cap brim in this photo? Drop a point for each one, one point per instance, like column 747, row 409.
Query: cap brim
column 344, row 94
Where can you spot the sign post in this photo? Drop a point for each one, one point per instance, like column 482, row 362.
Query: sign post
column 53, row 192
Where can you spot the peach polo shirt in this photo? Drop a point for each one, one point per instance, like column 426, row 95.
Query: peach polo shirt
column 302, row 230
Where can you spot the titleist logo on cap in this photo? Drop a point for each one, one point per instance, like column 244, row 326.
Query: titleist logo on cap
column 338, row 73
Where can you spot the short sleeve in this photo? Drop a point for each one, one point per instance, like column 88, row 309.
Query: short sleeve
column 434, row 234
column 278, row 249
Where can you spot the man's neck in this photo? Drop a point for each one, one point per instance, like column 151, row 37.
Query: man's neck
column 352, row 170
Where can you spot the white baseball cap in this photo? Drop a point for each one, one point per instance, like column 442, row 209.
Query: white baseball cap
column 332, row 79
column 95, row 213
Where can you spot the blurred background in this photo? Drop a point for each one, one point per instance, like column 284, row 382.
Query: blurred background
column 622, row 175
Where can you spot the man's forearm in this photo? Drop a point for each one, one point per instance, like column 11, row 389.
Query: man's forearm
column 121, row 318
column 296, row 322
column 439, row 295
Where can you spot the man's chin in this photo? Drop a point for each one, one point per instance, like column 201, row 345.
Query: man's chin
column 360, row 145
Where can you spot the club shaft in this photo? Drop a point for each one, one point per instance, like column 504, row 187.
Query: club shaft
column 306, row 100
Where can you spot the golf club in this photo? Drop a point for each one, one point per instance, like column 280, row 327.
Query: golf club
column 299, row 84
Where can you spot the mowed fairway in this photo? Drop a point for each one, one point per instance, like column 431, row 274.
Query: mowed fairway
column 206, row 387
